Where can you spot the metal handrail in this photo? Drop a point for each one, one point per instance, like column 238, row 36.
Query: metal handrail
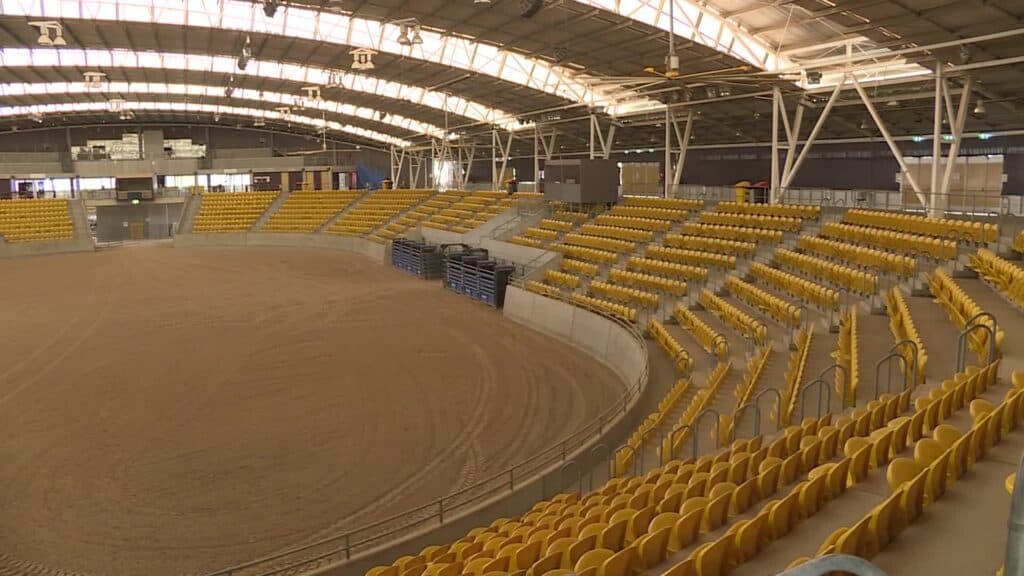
column 887, row 360
column 970, row 326
column 348, row 542
column 1014, row 564
column 822, row 386
column 695, row 433
column 838, row 563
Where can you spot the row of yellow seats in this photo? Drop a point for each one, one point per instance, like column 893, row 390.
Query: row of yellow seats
column 961, row 308
column 652, row 213
column 663, row 268
column 917, row 483
column 13, row 237
column 848, row 356
column 579, row 268
column 682, row 429
column 710, row 244
column 623, row 294
column 585, row 253
column 748, row 537
column 692, row 257
column 1018, row 242
column 666, row 203
column 860, row 255
column 540, row 234
column 850, row 278
column 520, row 240
column 680, row 357
column 1005, row 276
column 543, row 289
column 637, row 441
column 902, row 326
column 802, row 211
column 794, row 376
column 567, row 527
column 796, row 286
column 739, row 233
column 32, row 223
column 939, row 227
column 746, row 387
column 556, row 225
column 563, row 279
column 709, row 339
column 901, row 242
column 733, row 316
column 599, row 243
column 768, row 303
column 752, row 221
column 639, row 279
column 613, row 308
column 649, row 224
column 630, row 234
column 569, row 216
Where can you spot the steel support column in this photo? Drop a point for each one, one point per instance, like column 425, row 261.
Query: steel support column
column 958, row 134
column 936, row 142
column 773, row 194
column 668, row 151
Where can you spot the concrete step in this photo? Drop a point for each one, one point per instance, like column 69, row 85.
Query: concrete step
column 274, row 206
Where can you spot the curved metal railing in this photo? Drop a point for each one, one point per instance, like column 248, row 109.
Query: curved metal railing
column 343, row 546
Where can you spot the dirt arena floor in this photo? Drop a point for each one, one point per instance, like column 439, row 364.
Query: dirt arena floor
column 174, row 411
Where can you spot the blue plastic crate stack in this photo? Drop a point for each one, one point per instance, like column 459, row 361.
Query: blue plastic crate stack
column 423, row 260
column 473, row 273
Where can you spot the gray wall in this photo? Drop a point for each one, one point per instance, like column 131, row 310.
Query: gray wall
column 157, row 220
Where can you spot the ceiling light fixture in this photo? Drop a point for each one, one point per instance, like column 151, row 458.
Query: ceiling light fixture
column 46, row 27
column 243, row 58
column 980, row 110
column 403, row 36
column 362, row 59
column 93, row 79
column 813, row 77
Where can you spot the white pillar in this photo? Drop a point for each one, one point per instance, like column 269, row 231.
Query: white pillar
column 668, row 151
column 936, row 143
column 773, row 194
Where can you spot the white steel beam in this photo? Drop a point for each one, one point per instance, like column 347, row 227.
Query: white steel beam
column 892, row 143
column 814, row 133
column 958, row 133
column 684, row 145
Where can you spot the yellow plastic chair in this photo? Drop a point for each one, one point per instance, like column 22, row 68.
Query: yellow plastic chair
column 829, row 441
column 651, row 548
column 618, row 564
column 881, row 446
column 912, row 499
column 782, row 516
column 936, row 484
column 812, row 496
column 476, row 566
column 383, row 571
column 852, row 541
column 686, row 530
column 613, row 537
column 837, row 478
column 749, row 539
column 946, row 435
column 901, row 471
column 710, row 558
column 900, row 433
column 717, row 512
column 768, row 479
column 578, row 549
column 687, row 567
column 743, row 496
column 526, row 556
column 927, row 451
column 593, row 559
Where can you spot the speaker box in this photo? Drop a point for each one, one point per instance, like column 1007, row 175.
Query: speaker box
column 528, row 8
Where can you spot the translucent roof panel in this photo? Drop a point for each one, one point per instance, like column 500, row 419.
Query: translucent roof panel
column 275, row 98
column 333, row 28
column 97, row 59
column 199, row 108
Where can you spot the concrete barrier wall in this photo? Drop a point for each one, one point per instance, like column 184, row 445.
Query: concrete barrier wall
column 596, row 335
column 372, row 250
column 22, row 249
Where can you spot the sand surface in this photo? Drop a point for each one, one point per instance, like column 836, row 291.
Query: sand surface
column 174, row 411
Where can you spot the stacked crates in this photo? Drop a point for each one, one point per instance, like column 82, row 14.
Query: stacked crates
column 416, row 257
column 473, row 273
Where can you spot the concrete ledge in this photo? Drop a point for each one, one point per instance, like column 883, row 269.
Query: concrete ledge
column 24, row 249
column 372, row 250
column 608, row 342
